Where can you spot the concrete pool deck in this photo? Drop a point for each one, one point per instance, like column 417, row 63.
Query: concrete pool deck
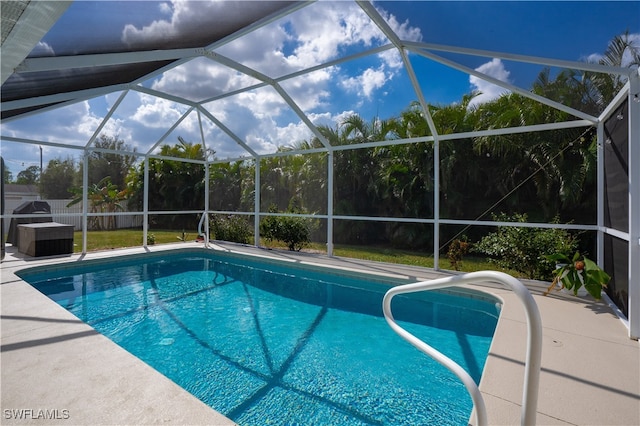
column 57, row 370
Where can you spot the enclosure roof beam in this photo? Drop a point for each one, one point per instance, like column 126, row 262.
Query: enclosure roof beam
column 164, row 95
column 273, row 83
column 51, row 63
column 507, row 86
column 228, row 62
column 373, row 14
column 575, row 65
column 304, row 71
column 171, row 129
column 28, row 23
column 59, row 99
column 617, row 100
column 106, row 118
column 228, row 131
column 44, row 143
column 225, row 40
column 302, row 115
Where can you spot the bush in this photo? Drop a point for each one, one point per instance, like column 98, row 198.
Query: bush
column 523, row 249
column 230, row 228
column 295, row 232
column 457, row 250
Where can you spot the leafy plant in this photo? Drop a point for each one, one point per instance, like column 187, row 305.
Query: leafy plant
column 230, row 228
column 577, row 271
column 524, row 249
column 151, row 239
column 295, row 232
column 457, row 249
column 103, row 197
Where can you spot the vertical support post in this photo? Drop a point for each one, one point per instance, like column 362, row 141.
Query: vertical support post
column 330, row 203
column 634, row 205
column 600, row 194
column 207, row 176
column 256, row 204
column 436, row 204
column 85, row 199
column 145, row 203
column 205, row 213
column 2, row 206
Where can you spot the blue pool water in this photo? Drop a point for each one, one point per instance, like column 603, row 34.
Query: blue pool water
column 265, row 343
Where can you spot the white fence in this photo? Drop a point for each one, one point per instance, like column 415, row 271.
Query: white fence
column 73, row 215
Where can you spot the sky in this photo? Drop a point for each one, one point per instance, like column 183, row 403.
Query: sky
column 371, row 86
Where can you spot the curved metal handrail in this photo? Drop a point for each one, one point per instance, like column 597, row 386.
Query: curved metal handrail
column 534, row 338
column 205, row 232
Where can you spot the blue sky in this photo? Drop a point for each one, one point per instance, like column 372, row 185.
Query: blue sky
column 371, row 86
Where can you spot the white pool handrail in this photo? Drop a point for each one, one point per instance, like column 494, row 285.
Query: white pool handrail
column 204, row 220
column 534, row 338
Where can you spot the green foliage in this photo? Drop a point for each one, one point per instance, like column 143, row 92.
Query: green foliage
column 524, row 249
column 457, row 250
column 577, row 271
column 173, row 184
column 103, row 163
column 58, row 178
column 151, row 239
column 232, row 186
column 28, row 176
column 295, row 232
column 103, row 197
column 230, row 228
column 7, row 176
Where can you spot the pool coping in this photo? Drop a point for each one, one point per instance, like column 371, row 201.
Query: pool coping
column 590, row 368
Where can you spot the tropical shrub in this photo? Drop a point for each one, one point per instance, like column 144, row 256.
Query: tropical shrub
column 524, row 249
column 230, row 228
column 295, row 232
column 457, row 250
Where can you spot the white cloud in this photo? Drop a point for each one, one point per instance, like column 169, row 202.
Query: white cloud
column 367, row 82
column 156, row 112
column 200, row 79
column 405, row 32
column 322, row 36
column 489, row 91
column 310, row 91
column 300, row 41
column 304, row 39
column 165, row 8
column 42, row 49
column 72, row 125
column 182, row 15
column 594, row 57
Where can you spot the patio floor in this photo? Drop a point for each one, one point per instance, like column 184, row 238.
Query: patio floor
column 54, row 365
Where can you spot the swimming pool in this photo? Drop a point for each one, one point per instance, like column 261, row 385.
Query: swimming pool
column 265, row 342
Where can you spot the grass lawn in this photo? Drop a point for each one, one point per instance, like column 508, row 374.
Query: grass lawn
column 109, row 240
column 407, row 257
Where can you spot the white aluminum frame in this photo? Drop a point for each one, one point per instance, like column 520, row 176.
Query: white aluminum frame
column 405, row 48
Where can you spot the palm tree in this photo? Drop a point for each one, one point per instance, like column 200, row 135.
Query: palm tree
column 587, row 91
column 103, row 197
column 622, row 51
column 551, row 167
